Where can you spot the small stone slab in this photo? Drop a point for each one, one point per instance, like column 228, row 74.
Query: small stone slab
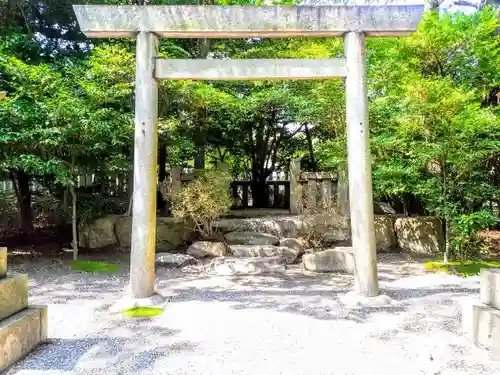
column 3, row 262
column 339, row 259
column 264, row 251
column 13, row 294
column 251, row 238
column 246, row 266
column 490, row 287
column 174, row 260
column 292, row 243
column 481, row 325
column 22, row 333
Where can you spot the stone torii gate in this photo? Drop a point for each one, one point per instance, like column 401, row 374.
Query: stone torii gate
column 147, row 23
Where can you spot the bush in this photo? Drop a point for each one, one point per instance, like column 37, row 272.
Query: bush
column 203, row 200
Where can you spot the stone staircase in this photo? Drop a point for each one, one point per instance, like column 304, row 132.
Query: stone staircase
column 22, row 327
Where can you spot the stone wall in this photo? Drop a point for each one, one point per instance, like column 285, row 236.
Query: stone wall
column 416, row 235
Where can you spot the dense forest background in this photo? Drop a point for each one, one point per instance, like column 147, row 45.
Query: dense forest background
column 434, row 116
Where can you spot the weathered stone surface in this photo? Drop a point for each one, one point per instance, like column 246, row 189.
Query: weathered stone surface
column 292, row 243
column 250, row 238
column 21, row 333
column 420, row 235
column 248, row 251
column 3, row 262
column 385, row 237
column 339, row 259
column 99, row 233
column 246, row 266
column 13, row 294
column 174, row 260
column 202, row 249
column 490, row 287
column 247, row 21
column 170, row 233
column 383, row 208
column 249, row 69
column 481, row 325
column 281, row 226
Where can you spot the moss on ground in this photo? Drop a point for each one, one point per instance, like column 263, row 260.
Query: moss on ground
column 142, row 312
column 93, row 266
column 464, row 269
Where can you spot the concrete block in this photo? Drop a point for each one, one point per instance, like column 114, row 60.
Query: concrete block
column 13, row 294
column 21, row 333
column 481, row 325
column 490, row 287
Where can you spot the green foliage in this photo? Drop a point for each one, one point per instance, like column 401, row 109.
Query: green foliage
column 142, row 312
column 462, row 268
column 94, row 266
column 203, row 200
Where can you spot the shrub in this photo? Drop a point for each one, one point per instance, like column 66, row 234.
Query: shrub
column 203, row 200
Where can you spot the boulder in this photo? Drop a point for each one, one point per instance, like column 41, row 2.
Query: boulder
column 383, row 208
column 420, row 235
column 171, row 233
column 385, row 237
column 292, row 243
column 336, row 228
column 202, row 249
column 281, row 226
column 99, row 233
column 174, row 260
column 251, row 238
column 339, row 259
column 246, row 266
column 250, row 251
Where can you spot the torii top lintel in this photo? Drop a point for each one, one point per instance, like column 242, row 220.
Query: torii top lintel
column 211, row 21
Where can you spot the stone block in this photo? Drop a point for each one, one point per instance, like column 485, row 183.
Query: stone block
column 13, row 294
column 246, row 266
column 339, row 259
column 481, row 325
column 490, row 287
column 21, row 333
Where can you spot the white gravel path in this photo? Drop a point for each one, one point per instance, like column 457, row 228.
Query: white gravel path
column 291, row 325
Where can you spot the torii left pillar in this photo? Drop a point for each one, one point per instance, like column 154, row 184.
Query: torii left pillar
column 142, row 257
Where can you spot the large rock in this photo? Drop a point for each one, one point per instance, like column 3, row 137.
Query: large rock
column 280, row 226
column 99, row 233
column 174, row 260
column 385, row 237
column 339, row 259
column 292, row 243
column 334, row 229
column 171, row 233
column 202, row 249
column 249, row 251
column 13, row 294
column 251, row 238
column 246, row 266
column 420, row 235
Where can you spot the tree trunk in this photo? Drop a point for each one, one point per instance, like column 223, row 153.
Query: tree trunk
column 21, row 181
column 162, row 162
column 311, row 149
column 74, row 242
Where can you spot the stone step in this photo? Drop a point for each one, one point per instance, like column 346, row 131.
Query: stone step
column 13, row 294
column 490, row 287
column 338, row 259
column 21, row 333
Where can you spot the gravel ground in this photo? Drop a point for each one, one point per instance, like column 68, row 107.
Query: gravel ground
column 294, row 324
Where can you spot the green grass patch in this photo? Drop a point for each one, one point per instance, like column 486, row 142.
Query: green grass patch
column 93, row 266
column 464, row 269
column 142, row 312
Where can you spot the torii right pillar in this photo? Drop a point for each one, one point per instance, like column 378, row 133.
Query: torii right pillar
column 359, row 166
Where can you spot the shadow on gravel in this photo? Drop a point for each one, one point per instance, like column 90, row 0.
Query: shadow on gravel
column 111, row 355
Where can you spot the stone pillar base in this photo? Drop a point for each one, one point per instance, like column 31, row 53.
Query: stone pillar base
column 21, row 333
